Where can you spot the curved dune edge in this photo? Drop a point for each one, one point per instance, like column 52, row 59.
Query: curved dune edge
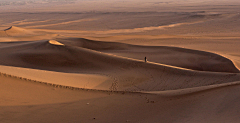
column 50, row 84
column 61, row 86
column 165, row 65
column 215, row 59
column 192, row 90
column 168, row 93
column 234, row 62
column 225, row 56
column 14, row 33
column 8, row 28
column 171, row 66
column 154, row 63
column 13, row 30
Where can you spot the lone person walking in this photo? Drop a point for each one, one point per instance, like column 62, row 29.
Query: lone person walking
column 145, row 59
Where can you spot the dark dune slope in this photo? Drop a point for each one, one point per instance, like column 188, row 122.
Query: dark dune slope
column 181, row 57
column 125, row 74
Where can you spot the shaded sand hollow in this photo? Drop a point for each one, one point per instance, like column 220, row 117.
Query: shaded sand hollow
column 53, row 75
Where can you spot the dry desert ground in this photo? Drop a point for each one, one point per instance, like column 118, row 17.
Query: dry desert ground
column 82, row 61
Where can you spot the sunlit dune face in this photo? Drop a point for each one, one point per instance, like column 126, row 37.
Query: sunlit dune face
column 55, row 42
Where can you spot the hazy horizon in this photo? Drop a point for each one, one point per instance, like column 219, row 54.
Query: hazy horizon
column 111, row 5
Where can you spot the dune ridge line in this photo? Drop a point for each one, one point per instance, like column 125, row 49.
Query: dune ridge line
column 182, row 49
column 51, row 84
column 162, row 93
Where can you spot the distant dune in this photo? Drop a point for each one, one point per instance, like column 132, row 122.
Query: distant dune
column 16, row 31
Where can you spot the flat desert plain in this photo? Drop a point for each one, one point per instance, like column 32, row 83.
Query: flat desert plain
column 83, row 61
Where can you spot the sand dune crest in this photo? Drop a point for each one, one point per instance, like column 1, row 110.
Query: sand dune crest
column 14, row 33
column 8, row 28
column 174, row 56
column 13, row 30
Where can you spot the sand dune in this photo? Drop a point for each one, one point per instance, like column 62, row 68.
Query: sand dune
column 103, row 105
column 14, row 33
column 86, row 56
column 2, row 34
column 123, row 73
column 85, row 63
column 181, row 57
column 56, row 79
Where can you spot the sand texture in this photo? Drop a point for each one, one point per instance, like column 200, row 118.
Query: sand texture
column 83, row 61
